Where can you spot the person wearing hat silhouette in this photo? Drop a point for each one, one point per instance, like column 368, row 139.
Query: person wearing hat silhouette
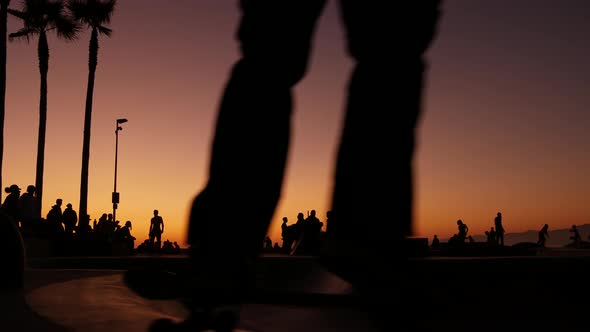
column 10, row 205
column 69, row 219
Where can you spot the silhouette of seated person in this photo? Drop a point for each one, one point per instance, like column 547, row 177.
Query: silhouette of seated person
column 144, row 247
column 101, row 228
column 460, row 237
column 167, row 247
column 124, row 235
column 176, row 247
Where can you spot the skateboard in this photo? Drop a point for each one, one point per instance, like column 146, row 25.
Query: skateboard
column 173, row 284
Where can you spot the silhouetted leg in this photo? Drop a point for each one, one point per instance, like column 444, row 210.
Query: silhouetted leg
column 373, row 184
column 230, row 216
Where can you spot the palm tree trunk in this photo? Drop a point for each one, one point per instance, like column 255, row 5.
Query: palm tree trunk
column 43, row 54
column 3, row 33
column 92, row 63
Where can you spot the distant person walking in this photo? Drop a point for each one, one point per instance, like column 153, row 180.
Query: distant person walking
column 576, row 237
column 156, row 230
column 499, row 229
column 543, row 235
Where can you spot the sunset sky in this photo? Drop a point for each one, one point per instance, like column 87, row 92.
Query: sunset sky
column 505, row 125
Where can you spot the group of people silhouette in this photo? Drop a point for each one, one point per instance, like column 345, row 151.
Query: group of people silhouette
column 494, row 236
column 304, row 237
column 70, row 236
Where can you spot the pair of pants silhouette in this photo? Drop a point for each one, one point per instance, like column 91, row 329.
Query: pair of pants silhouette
column 373, row 180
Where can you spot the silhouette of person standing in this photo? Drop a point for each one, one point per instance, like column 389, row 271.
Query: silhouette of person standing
column 543, row 235
column 435, row 242
column 28, row 210
column 70, row 219
column 463, row 229
column 124, row 234
column 312, row 232
column 376, row 148
column 55, row 219
column 156, row 230
column 10, row 206
column 499, row 229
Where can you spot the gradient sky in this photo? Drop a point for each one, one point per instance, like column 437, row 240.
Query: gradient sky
column 505, row 123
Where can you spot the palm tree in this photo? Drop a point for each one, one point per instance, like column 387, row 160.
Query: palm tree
column 94, row 14
column 40, row 17
column 3, row 31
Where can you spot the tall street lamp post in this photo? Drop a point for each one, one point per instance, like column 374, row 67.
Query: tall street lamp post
column 115, row 193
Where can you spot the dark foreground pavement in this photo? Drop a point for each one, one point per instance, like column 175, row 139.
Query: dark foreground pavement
column 542, row 293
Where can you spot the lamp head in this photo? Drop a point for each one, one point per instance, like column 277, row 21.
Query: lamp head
column 121, row 121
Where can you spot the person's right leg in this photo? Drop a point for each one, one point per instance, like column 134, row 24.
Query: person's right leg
column 373, row 182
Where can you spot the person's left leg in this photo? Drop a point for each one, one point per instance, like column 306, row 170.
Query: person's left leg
column 230, row 216
column 251, row 140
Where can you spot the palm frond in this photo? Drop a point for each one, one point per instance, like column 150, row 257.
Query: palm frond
column 66, row 28
column 53, row 9
column 78, row 9
column 17, row 13
column 104, row 30
column 22, row 34
column 94, row 13
column 106, row 11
